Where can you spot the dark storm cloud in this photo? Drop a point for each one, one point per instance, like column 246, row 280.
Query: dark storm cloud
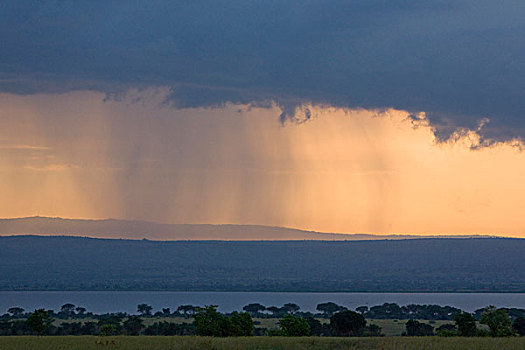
column 459, row 61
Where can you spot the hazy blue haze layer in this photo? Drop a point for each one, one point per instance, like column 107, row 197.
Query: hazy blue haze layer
column 488, row 265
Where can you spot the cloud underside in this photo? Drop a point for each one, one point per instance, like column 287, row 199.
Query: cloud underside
column 81, row 155
column 460, row 62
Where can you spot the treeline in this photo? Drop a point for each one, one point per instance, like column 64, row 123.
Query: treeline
column 497, row 324
column 257, row 310
column 207, row 321
column 40, row 322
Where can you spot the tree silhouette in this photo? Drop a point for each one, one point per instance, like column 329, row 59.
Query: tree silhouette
column 362, row 309
column 144, row 309
column 209, row 322
column 67, row 310
column 519, row 325
column 416, row 329
column 328, row 309
column 254, row 309
column 498, row 321
column 347, row 323
column 80, row 310
column 466, row 324
column 133, row 325
column 15, row 311
column 291, row 308
column 187, row 309
column 292, row 326
column 39, row 321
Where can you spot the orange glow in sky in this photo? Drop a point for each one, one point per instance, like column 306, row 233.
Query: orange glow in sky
column 78, row 155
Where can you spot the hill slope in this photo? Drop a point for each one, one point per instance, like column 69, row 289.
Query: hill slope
column 72, row 263
column 111, row 228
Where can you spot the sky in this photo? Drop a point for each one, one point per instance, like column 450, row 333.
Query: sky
column 336, row 116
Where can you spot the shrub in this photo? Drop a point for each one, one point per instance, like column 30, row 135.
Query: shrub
column 39, row 321
column 466, row 324
column 498, row 322
column 415, row 328
column 292, row 326
column 519, row 326
column 209, row 322
column 348, row 324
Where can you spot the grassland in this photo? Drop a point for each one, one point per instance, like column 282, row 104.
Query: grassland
column 256, row 343
column 392, row 328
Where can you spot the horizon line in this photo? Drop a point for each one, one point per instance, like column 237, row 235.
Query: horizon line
column 417, row 235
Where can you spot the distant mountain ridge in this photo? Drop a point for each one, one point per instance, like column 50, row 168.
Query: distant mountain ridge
column 131, row 229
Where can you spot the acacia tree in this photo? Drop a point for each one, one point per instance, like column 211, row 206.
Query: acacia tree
column 39, row 321
column 144, row 309
column 80, row 310
column 209, row 322
column 254, row 308
column 241, row 324
column 108, row 329
column 276, row 311
column 466, row 324
column 133, row 325
column 292, row 326
column 416, row 329
column 498, row 321
column 347, row 324
column 67, row 310
column 15, row 311
column 317, row 328
column 328, row 309
column 362, row 309
column 187, row 310
column 291, row 308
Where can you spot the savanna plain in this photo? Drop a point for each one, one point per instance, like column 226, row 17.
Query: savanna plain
column 254, row 343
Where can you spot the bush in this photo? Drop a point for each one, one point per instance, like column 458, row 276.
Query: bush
column 209, row 322
column 519, row 326
column 416, row 329
column 241, row 324
column 498, row 322
column 317, row 328
column 294, row 326
column 447, row 330
column 133, row 325
column 348, row 324
column 373, row 330
column 108, row 329
column 466, row 324
column 39, row 321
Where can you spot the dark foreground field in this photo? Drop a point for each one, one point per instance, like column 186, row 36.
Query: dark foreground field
column 255, row 343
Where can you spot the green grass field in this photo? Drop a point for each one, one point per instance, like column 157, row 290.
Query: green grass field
column 256, row 343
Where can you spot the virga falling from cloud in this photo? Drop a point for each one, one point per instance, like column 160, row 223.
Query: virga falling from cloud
column 80, row 154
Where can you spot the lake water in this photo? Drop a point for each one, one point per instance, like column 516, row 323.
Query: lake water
column 112, row 301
